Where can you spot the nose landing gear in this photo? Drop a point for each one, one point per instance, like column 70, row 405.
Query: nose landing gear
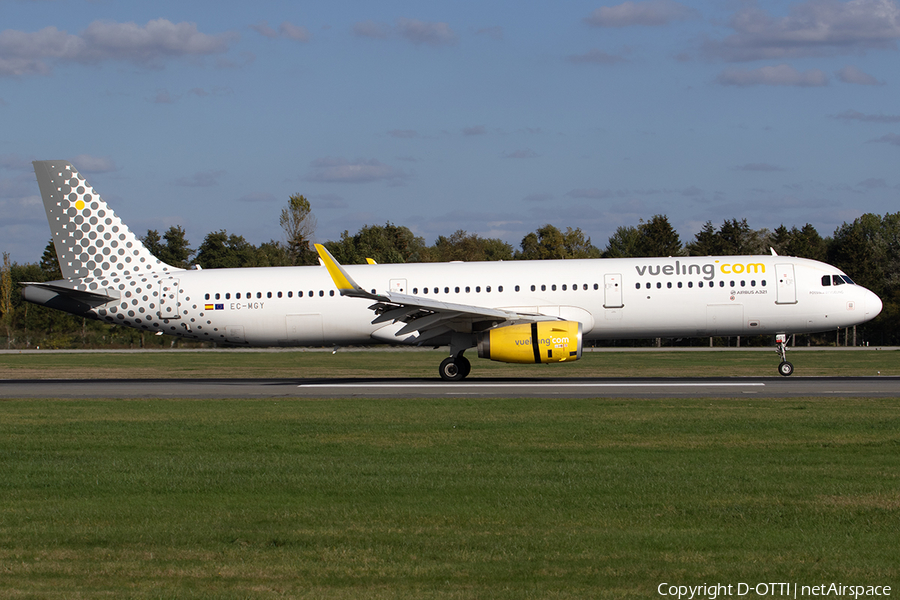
column 785, row 368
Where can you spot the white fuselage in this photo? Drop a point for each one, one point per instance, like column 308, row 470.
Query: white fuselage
column 612, row 298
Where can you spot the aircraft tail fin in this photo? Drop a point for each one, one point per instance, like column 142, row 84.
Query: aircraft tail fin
column 92, row 243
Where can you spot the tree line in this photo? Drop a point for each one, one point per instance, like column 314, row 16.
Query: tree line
column 868, row 249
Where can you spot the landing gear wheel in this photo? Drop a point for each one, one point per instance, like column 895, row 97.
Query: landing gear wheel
column 785, row 368
column 455, row 368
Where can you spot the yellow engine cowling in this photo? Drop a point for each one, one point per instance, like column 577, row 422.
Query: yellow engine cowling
column 541, row 342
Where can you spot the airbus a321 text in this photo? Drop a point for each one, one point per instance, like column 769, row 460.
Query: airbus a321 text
column 517, row 312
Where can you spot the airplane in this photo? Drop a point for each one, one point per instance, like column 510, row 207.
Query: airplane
column 514, row 312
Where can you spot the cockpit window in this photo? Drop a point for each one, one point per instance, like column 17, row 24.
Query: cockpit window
column 847, row 279
column 826, row 280
column 836, row 280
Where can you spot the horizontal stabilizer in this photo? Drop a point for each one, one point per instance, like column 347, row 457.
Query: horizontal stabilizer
column 51, row 288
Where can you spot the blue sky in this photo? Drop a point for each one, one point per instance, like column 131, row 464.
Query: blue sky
column 492, row 117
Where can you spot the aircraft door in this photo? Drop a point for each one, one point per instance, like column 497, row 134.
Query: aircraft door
column 168, row 299
column 612, row 290
column 786, row 290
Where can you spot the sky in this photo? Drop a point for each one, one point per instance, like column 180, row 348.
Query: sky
column 491, row 117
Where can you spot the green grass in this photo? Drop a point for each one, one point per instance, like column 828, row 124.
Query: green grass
column 448, row 498
column 425, row 363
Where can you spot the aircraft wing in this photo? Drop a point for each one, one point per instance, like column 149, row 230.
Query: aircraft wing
column 428, row 317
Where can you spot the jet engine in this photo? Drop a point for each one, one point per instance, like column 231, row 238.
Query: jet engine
column 541, row 342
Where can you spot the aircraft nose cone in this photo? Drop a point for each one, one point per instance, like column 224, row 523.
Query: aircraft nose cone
column 873, row 305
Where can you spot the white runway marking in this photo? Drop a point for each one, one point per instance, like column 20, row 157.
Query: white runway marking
column 531, row 384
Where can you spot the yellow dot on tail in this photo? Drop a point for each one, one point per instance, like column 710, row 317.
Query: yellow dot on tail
column 79, row 204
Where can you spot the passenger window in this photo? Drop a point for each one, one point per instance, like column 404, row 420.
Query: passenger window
column 321, row 293
column 679, row 285
column 424, row 290
column 637, row 286
column 499, row 288
column 415, row 291
column 290, row 294
column 722, row 283
column 517, row 288
column 435, row 290
column 279, row 294
column 488, row 289
column 456, row 289
column 564, row 287
column 553, row 287
column 331, row 292
column 238, row 295
column 217, row 296
column 228, row 296
column 690, row 284
column 669, row 285
column 743, row 283
column 268, row 294
column 207, row 296
column 477, row 289
column 648, row 285
column 532, row 288
column 585, row 287
column 543, row 288
column 259, row 294
column 446, row 290
column 596, row 286
column 752, row 283
column 658, row 285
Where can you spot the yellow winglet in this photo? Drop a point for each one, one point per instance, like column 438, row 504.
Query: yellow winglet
column 344, row 283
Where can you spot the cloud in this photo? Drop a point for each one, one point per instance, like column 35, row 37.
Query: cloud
column 853, row 115
column 851, row 74
column 890, row 138
column 813, row 28
column 94, row 164
column 429, row 33
column 873, row 184
column 762, row 167
column 650, row 13
column 421, row 32
column 163, row 97
column 777, row 75
column 33, row 53
column 474, row 130
column 340, row 170
column 593, row 194
column 595, row 57
column 285, row 30
column 200, row 179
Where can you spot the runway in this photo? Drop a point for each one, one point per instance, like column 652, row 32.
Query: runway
column 736, row 387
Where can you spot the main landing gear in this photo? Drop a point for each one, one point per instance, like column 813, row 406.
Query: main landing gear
column 455, row 368
column 785, row 368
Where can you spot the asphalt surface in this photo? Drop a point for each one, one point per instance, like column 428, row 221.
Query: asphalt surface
column 735, row 387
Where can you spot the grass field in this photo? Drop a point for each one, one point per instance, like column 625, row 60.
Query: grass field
column 442, row 498
column 424, row 364
column 454, row 498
